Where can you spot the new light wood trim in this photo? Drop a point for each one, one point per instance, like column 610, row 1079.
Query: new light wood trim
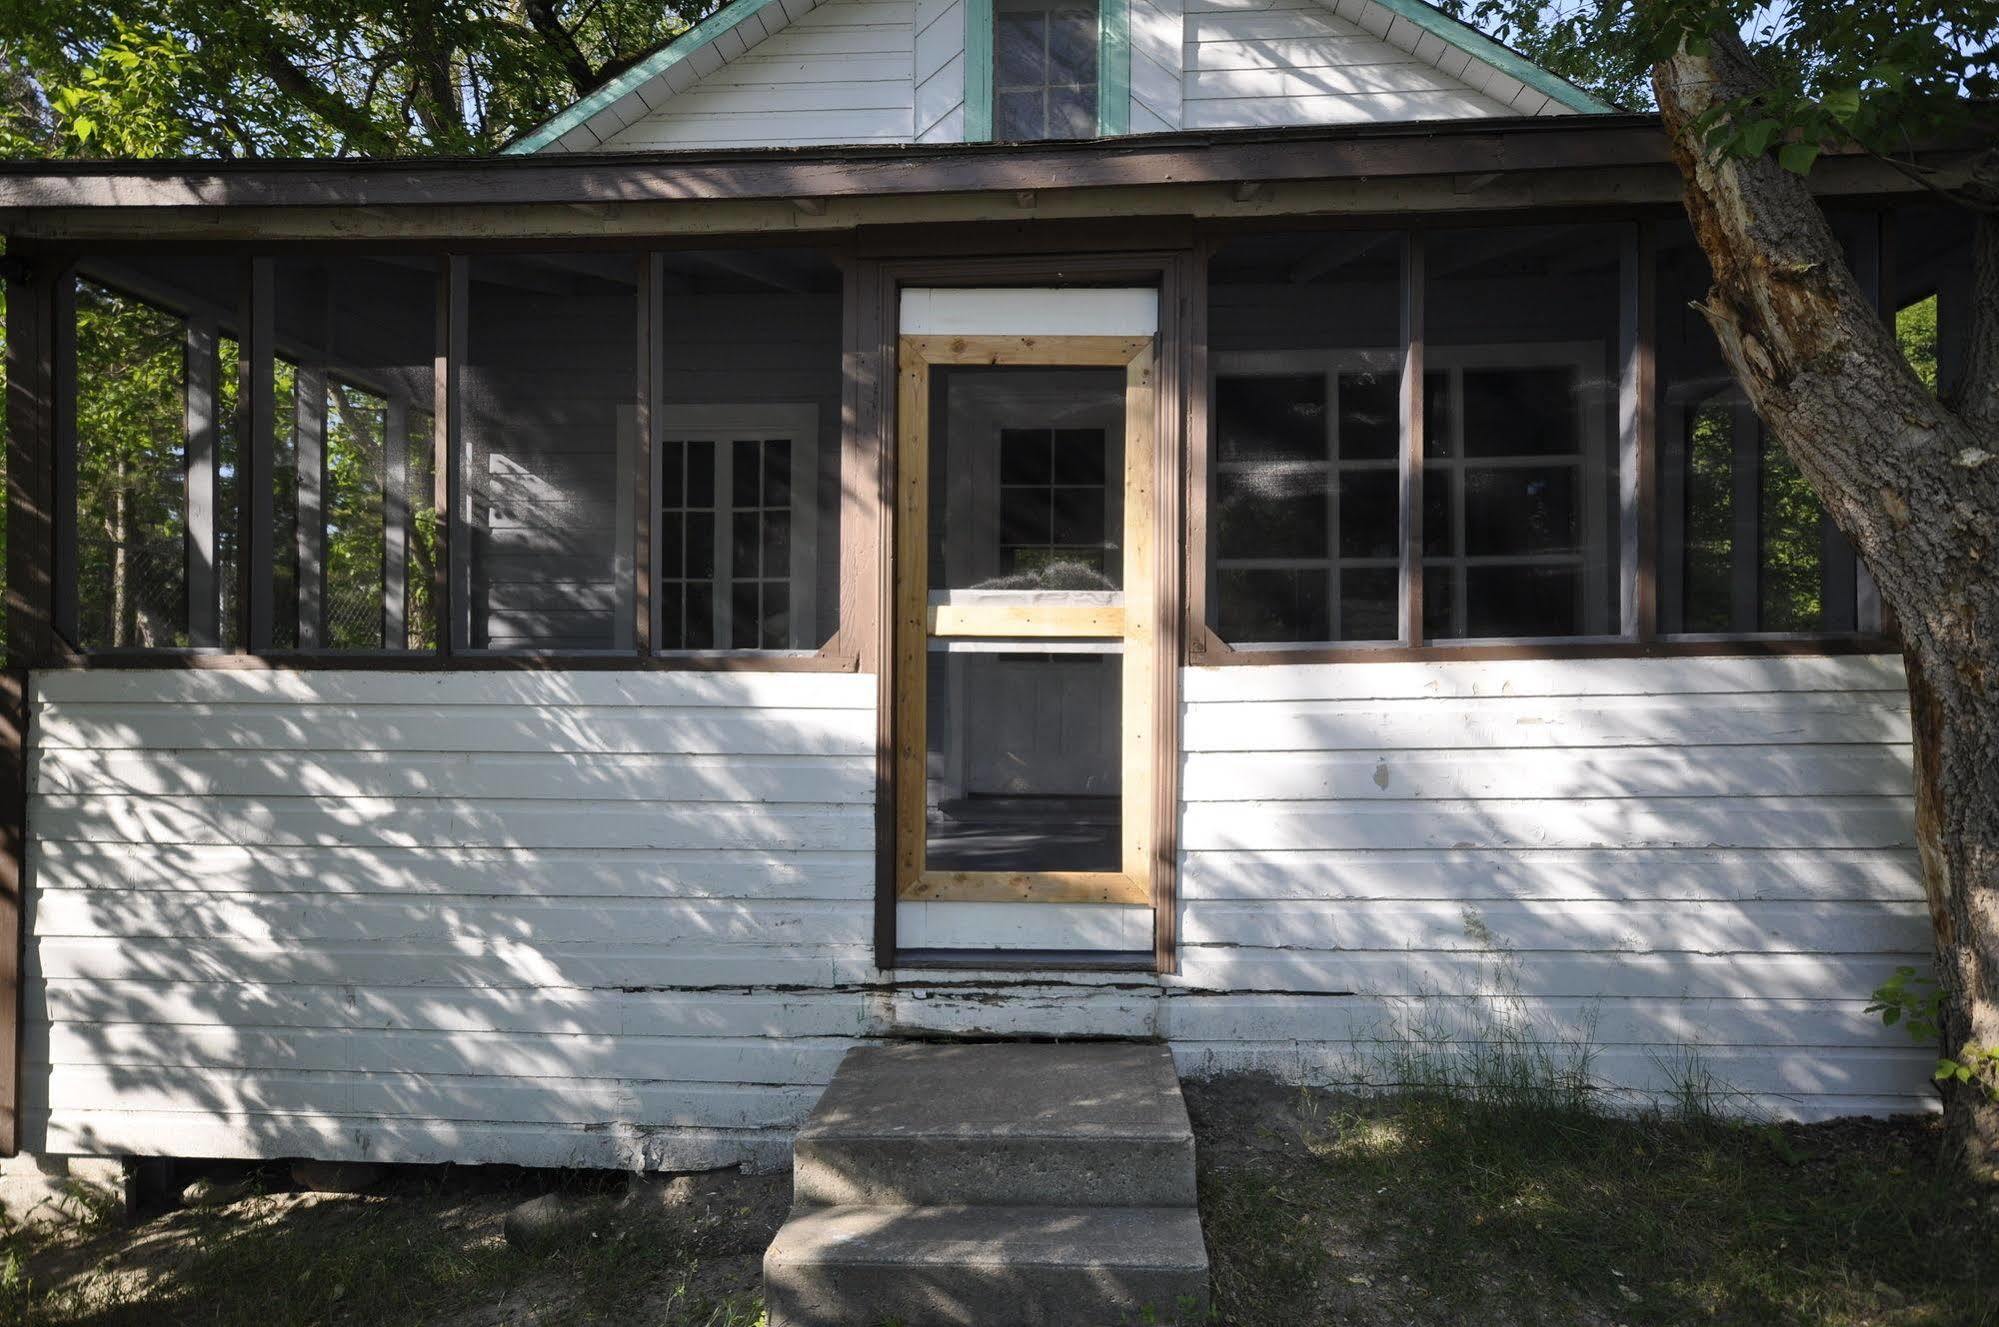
column 913, row 616
column 911, row 608
column 1023, row 619
column 1114, row 352
column 1028, row 887
column 1141, row 634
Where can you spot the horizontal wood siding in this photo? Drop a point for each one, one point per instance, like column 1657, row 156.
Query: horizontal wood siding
column 1254, row 63
column 842, row 73
column 624, row 919
column 552, row 918
column 1700, row 866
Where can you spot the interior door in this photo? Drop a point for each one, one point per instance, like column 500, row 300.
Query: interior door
column 1026, row 635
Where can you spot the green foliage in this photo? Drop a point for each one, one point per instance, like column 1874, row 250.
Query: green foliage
column 1883, row 74
column 308, row 77
column 1915, row 1002
column 130, row 462
column 1916, row 333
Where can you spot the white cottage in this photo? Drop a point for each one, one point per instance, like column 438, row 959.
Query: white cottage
column 1213, row 523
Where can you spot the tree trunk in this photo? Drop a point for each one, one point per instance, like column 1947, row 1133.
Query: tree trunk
column 1913, row 483
column 121, row 559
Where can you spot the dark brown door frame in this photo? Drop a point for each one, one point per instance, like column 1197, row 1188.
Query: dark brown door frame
column 874, row 289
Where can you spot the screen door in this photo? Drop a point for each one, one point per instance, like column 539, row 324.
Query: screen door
column 1026, row 625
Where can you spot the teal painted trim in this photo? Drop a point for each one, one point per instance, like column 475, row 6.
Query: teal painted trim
column 1473, row 42
column 978, row 71
column 661, row 60
column 1113, row 67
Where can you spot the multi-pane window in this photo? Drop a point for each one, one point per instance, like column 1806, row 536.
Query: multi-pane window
column 760, row 556
column 737, row 528
column 1304, row 491
column 1052, row 501
column 1521, row 516
column 1044, row 69
column 1305, row 502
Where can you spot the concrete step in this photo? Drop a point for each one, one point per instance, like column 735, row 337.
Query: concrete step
column 1010, row 1124
column 987, row 1267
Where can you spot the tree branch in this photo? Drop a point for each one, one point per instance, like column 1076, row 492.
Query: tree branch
column 353, row 123
column 541, row 17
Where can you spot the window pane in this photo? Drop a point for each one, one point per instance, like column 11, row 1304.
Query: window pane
column 1044, row 69
column 550, row 385
column 747, row 457
column 1020, row 48
column 1304, row 519
column 1026, row 471
column 1521, row 381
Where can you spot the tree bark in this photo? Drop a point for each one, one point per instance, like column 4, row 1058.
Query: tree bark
column 1911, row 481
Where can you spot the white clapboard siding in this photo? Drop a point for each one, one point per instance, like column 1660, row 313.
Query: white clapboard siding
column 1295, row 62
column 843, row 73
column 1697, row 857
column 940, row 71
column 869, row 71
column 467, row 916
column 626, row 919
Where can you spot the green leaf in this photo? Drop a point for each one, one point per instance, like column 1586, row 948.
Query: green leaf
column 1842, row 104
column 1797, row 158
column 1756, row 139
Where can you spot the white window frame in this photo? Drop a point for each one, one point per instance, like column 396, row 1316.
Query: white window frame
column 722, row 425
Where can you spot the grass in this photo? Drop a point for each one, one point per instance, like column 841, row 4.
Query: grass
column 1495, row 1195
column 421, row 1255
column 1433, row 1207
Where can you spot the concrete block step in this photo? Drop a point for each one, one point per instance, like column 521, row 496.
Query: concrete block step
column 1010, row 1124
column 987, row 1267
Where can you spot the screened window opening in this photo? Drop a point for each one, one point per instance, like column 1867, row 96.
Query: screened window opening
column 1745, row 546
column 1303, row 524
column 138, row 367
column 354, row 524
column 550, row 385
column 1521, row 517
column 1044, row 69
column 746, row 454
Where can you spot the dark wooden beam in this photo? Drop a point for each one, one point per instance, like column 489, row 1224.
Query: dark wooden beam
column 256, row 415
column 1411, row 403
column 30, row 481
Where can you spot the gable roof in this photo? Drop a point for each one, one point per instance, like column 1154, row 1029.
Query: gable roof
column 1412, row 25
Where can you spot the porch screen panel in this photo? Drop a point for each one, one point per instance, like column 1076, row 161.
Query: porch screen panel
column 550, row 385
column 1745, row 546
column 1521, row 366
column 353, row 384
column 154, row 340
column 1306, row 350
column 747, row 451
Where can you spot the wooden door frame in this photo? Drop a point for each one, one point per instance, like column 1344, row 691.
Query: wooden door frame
column 916, row 619
column 869, row 535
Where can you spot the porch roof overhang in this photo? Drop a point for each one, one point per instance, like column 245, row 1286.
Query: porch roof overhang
column 1570, row 160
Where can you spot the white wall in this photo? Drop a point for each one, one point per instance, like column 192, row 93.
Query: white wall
column 867, row 71
column 841, row 73
column 497, row 916
column 597, row 918
column 1704, row 853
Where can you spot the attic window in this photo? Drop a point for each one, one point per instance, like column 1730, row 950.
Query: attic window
column 1045, row 69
